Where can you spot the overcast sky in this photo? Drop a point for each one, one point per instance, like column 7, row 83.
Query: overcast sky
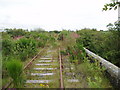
column 55, row 14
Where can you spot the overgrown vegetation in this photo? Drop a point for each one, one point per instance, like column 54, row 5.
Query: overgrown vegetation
column 21, row 45
column 25, row 46
column 104, row 43
column 89, row 72
column 15, row 68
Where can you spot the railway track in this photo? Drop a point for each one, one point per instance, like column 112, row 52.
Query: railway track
column 44, row 72
column 51, row 70
column 48, row 72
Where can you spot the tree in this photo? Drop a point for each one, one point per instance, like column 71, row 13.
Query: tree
column 115, row 30
column 114, row 4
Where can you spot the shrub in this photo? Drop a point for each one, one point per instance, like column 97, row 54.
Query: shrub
column 43, row 37
column 15, row 32
column 63, row 52
column 41, row 44
column 14, row 68
column 97, row 83
column 7, row 46
column 104, row 43
column 76, row 52
column 26, row 48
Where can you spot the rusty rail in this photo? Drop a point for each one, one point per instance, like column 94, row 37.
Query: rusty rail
column 7, row 85
column 61, row 78
column 32, row 60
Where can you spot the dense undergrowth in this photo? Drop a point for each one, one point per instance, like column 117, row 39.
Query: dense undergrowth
column 20, row 45
column 87, row 69
column 104, row 43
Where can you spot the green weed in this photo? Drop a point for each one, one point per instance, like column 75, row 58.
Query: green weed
column 14, row 69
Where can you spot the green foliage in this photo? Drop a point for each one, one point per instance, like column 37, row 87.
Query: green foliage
column 22, row 48
column 55, row 31
column 93, row 73
column 109, row 6
column 43, row 37
column 76, row 52
column 97, row 41
column 104, row 43
column 96, row 83
column 113, row 53
column 63, row 34
column 95, row 68
column 52, row 39
column 25, row 48
column 14, row 68
column 41, row 44
column 6, row 36
column 7, row 46
column 89, row 38
column 63, row 52
column 15, row 32
column 95, row 78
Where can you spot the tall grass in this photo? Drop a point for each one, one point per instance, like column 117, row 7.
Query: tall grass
column 14, row 68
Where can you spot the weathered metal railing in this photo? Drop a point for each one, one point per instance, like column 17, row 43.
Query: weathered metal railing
column 113, row 70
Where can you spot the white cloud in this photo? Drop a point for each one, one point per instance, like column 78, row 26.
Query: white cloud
column 55, row 14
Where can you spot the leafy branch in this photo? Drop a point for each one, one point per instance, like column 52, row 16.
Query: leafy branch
column 114, row 5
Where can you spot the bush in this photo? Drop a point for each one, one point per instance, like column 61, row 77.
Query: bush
column 97, row 83
column 15, row 32
column 43, row 37
column 14, row 69
column 41, row 43
column 76, row 52
column 63, row 52
column 7, row 46
column 26, row 48
column 104, row 43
